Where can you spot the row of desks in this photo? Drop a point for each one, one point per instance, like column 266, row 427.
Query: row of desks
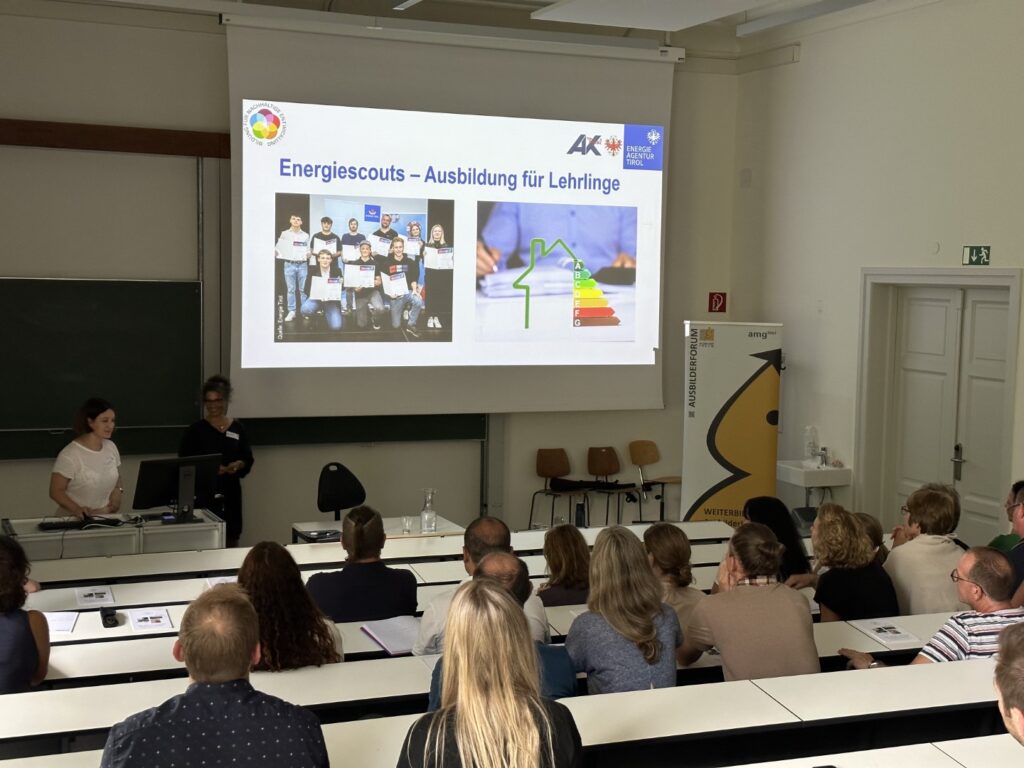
column 151, row 656
column 725, row 710
column 164, row 565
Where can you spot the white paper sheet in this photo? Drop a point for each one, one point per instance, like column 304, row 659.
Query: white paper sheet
column 325, row 288
column 439, row 258
column 350, row 253
column 150, row 620
column 61, row 622
column 90, row 597
column 359, row 275
column 395, row 285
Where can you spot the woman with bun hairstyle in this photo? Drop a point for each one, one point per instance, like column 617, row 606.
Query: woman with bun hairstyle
column 668, row 551
column 365, row 589
column 761, row 627
column 219, row 433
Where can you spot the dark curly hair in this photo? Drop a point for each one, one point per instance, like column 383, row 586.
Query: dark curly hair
column 14, row 569
column 293, row 630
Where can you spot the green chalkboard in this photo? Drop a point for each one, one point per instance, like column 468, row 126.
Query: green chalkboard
column 136, row 343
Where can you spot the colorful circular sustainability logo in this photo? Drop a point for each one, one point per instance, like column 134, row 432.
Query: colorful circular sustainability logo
column 265, row 123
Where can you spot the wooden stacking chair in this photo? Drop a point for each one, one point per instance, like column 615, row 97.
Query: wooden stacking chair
column 643, row 453
column 603, row 464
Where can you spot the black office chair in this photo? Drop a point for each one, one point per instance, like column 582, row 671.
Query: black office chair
column 338, row 489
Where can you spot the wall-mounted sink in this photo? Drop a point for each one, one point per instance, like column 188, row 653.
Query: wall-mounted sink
column 794, row 472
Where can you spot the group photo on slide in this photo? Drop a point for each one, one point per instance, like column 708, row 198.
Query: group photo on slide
column 383, row 273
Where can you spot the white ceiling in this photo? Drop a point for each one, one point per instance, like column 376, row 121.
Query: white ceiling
column 661, row 15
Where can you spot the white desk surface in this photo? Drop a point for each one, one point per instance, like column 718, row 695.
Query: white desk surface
column 653, row 714
column 306, row 555
column 375, row 743
column 867, row 692
column 910, row 756
column 984, row 751
column 923, row 626
column 392, row 527
column 83, row 709
column 130, row 566
column 139, row 593
column 89, row 627
column 142, row 654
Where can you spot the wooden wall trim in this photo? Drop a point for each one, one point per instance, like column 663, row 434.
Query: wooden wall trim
column 111, row 138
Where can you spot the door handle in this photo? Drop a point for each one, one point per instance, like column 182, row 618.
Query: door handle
column 958, row 460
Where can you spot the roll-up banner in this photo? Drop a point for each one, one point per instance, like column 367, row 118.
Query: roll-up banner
column 730, row 427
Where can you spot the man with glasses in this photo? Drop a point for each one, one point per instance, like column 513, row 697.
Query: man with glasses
column 984, row 580
column 919, row 565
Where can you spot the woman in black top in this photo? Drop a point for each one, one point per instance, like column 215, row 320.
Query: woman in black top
column 855, row 586
column 24, row 635
column 770, row 511
column 219, row 433
column 491, row 715
column 365, row 589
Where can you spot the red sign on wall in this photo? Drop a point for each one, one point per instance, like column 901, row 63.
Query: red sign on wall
column 716, row 301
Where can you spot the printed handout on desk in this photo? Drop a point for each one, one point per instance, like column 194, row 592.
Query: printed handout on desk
column 886, row 632
column 349, row 253
column 150, row 619
column 213, row 581
column 325, row 288
column 359, row 275
column 439, row 258
column 61, row 622
column 395, row 285
column 90, row 597
column 396, row 636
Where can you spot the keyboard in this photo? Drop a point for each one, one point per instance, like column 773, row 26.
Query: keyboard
column 74, row 524
column 63, row 524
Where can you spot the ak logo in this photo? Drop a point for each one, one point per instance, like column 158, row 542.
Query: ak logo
column 585, row 145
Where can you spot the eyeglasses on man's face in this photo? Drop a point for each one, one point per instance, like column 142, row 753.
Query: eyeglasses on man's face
column 955, row 577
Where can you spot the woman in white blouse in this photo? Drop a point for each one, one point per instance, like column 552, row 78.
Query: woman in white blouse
column 86, row 479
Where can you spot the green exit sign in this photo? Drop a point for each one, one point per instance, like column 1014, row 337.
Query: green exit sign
column 977, row 255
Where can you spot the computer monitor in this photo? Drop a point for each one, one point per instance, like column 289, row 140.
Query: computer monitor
column 179, row 483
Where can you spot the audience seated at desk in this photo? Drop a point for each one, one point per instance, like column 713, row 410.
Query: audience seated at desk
column 24, row 635
column 483, row 535
column 668, row 551
column 221, row 719
column 365, row 589
column 557, row 675
column 924, row 552
column 568, row 561
column 293, row 631
column 984, row 581
column 626, row 641
column 855, row 586
column 492, row 713
column 761, row 627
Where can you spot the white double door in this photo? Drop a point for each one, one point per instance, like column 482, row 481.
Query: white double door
column 949, row 400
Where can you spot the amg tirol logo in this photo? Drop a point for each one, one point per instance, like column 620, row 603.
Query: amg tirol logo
column 585, row 145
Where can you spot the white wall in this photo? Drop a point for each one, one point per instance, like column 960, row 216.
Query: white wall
column 891, row 134
column 891, row 137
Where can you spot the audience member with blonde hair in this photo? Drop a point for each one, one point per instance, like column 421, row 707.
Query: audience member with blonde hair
column 568, row 559
column 365, row 589
column 855, row 586
column 761, row 627
column 221, row 718
column 293, row 631
column 557, row 675
column 920, row 567
column 668, row 552
column 492, row 714
column 627, row 638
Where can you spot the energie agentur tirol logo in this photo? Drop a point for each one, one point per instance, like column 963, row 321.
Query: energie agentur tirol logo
column 265, row 124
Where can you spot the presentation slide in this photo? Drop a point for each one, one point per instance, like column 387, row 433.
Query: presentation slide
column 376, row 238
